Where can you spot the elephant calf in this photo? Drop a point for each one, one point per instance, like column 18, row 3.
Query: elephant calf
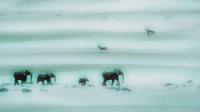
column 45, row 77
column 83, row 81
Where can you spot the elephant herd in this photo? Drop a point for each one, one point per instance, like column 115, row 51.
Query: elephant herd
column 42, row 77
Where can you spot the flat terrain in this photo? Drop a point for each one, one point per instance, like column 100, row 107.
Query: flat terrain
column 62, row 36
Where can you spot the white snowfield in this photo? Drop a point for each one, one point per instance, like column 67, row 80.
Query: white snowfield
column 62, row 36
column 36, row 98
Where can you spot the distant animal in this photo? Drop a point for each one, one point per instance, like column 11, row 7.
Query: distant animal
column 22, row 75
column 45, row 77
column 168, row 84
column 150, row 32
column 103, row 48
column 83, row 81
column 114, row 75
column 189, row 81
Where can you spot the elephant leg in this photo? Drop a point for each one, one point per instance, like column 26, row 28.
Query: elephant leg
column 23, row 82
column 104, row 83
column 118, row 83
column 112, row 82
column 16, row 82
column 43, row 82
column 49, row 81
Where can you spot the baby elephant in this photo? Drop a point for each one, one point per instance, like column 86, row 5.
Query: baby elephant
column 45, row 77
column 83, row 81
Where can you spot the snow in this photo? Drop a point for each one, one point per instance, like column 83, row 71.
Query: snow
column 66, row 98
column 61, row 36
column 78, row 95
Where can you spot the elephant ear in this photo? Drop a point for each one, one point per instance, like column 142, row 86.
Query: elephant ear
column 27, row 72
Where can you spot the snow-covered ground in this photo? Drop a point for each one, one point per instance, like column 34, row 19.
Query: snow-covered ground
column 35, row 98
column 61, row 36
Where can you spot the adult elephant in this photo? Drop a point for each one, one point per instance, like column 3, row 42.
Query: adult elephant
column 114, row 75
column 45, row 77
column 22, row 75
column 83, row 81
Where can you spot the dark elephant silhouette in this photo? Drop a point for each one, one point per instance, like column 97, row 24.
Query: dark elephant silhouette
column 22, row 75
column 150, row 32
column 83, row 81
column 103, row 48
column 45, row 77
column 114, row 75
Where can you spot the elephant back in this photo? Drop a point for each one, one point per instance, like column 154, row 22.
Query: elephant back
column 108, row 73
column 19, row 73
column 43, row 75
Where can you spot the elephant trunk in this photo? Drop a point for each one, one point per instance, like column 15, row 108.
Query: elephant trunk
column 31, row 78
column 55, row 79
column 123, row 80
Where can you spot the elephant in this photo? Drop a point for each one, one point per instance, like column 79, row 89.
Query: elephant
column 45, row 76
column 114, row 75
column 22, row 75
column 83, row 81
